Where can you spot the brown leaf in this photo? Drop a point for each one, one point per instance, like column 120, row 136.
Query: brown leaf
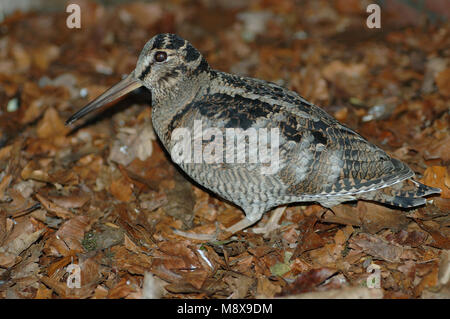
column 180, row 258
column 53, row 208
column 122, row 189
column 443, row 82
column 131, row 262
column 44, row 54
column 64, row 177
column 438, row 176
column 428, row 281
column 180, row 201
column 24, row 234
column 71, row 201
column 299, row 265
column 239, row 284
column 372, row 217
column 18, row 204
column 43, row 292
column 144, row 14
column 442, row 203
column 100, row 293
column 90, row 272
column 4, row 184
column 7, row 260
column 22, row 242
column 67, row 240
column 352, row 74
column 60, row 264
column 440, row 240
column 308, row 238
column 438, row 148
column 414, row 238
column 308, row 281
column 350, row 6
column 375, row 246
column 132, row 143
column 51, row 126
column 25, row 273
column 266, row 288
column 3, row 227
column 58, row 287
column 331, row 253
column 33, row 170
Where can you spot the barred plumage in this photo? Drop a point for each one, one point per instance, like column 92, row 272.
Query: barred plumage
column 320, row 159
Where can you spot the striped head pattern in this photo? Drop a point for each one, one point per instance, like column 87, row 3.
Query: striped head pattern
column 167, row 59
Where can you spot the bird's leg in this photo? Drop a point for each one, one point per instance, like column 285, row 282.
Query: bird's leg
column 202, row 237
column 240, row 225
column 272, row 223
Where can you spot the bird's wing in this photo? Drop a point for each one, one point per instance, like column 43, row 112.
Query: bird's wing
column 331, row 159
column 317, row 154
column 320, row 155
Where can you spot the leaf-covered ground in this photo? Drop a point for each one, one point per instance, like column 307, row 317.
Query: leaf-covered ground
column 104, row 196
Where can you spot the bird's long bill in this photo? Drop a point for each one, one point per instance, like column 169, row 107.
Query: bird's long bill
column 123, row 87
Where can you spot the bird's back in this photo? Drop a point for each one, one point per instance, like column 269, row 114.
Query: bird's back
column 319, row 159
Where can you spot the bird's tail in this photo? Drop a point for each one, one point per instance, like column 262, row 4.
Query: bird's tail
column 406, row 194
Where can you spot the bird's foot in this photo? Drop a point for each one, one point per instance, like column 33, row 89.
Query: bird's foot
column 272, row 224
column 218, row 235
column 195, row 236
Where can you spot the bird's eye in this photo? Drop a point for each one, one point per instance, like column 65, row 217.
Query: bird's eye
column 160, row 56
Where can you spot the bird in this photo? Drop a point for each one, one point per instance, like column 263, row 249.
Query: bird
column 319, row 159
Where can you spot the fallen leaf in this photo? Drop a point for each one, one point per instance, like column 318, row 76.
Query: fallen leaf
column 132, row 143
column 428, row 281
column 308, row 281
column 371, row 216
column 67, row 239
column 43, row 292
column 44, row 54
column 240, row 285
column 144, row 14
column 51, row 126
column 443, row 82
column 22, row 242
column 122, row 189
column 437, row 176
column 375, row 246
column 307, row 239
column 439, row 239
column 53, row 208
column 266, row 288
column 414, row 238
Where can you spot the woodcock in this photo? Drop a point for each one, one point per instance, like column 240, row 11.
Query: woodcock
column 319, row 159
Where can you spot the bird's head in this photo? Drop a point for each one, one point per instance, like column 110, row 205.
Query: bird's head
column 167, row 59
column 167, row 65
